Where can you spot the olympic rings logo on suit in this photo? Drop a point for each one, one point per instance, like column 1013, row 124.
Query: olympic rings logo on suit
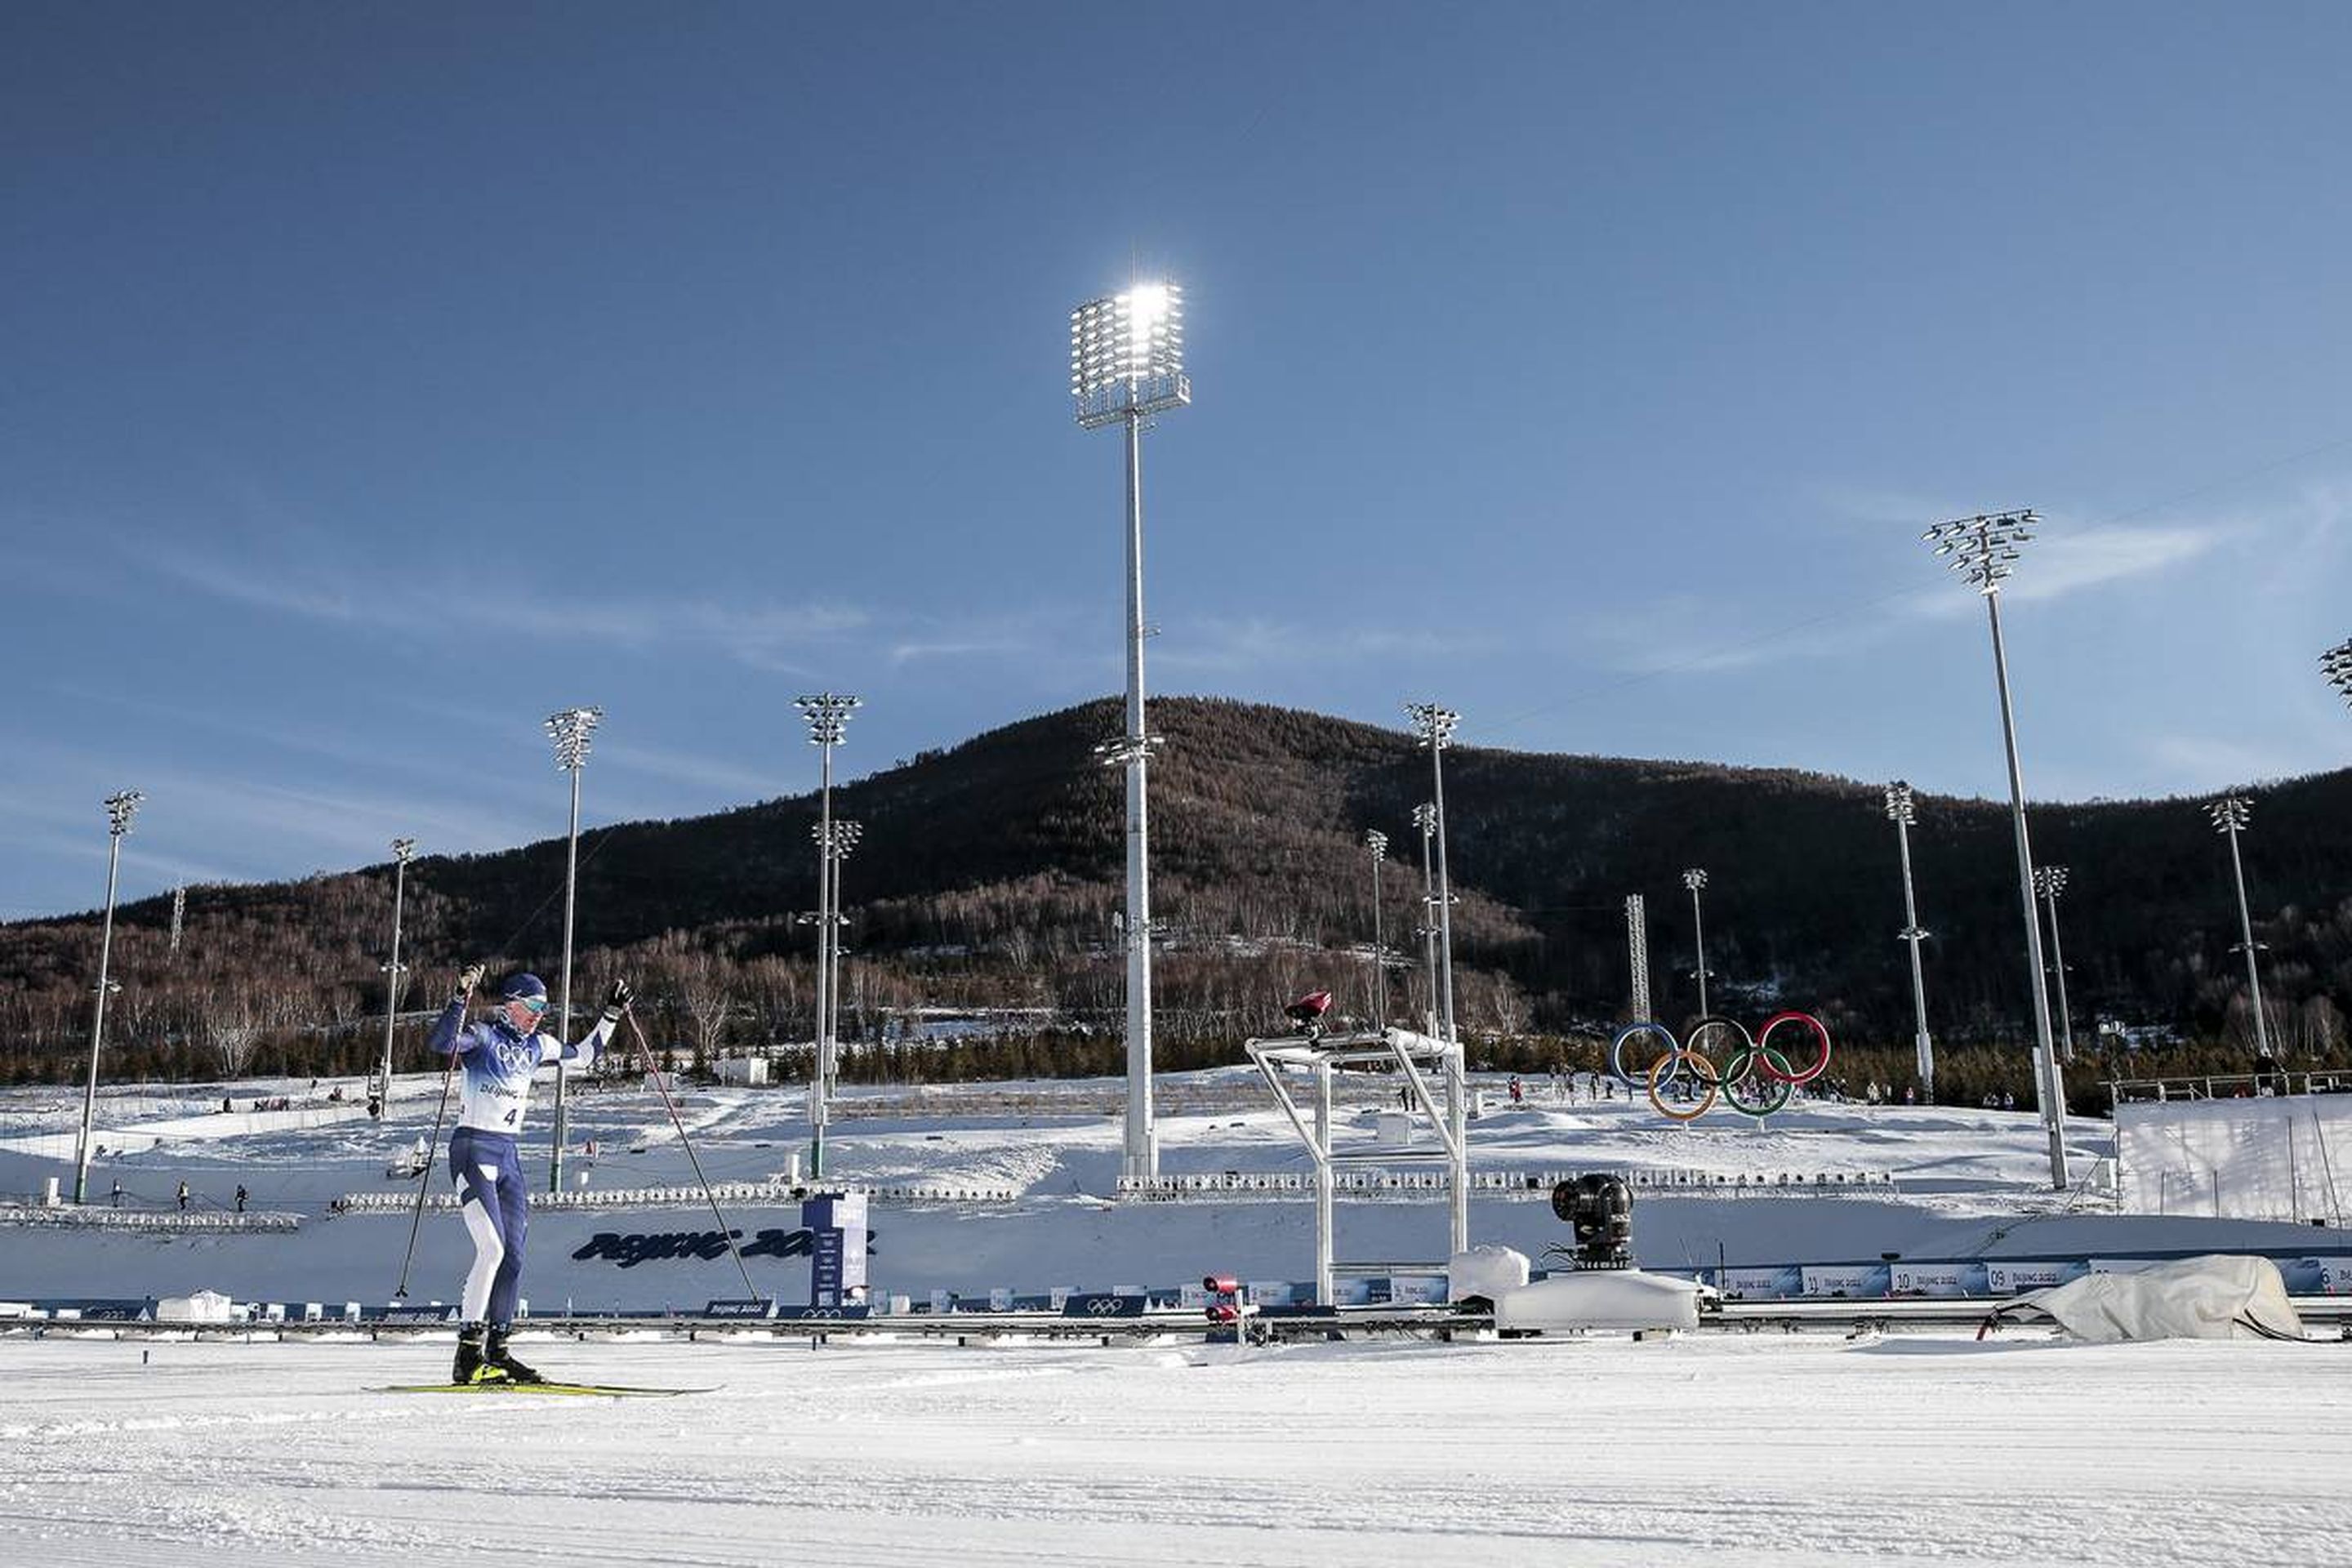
column 1755, row 1079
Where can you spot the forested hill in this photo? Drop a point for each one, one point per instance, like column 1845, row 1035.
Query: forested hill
column 990, row 874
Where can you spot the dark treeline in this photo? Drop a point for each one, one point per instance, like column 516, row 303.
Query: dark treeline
column 989, row 877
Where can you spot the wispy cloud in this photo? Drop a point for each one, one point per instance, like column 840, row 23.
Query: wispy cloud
column 1212, row 645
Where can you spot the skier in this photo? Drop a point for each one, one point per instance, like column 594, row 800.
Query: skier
column 500, row 1058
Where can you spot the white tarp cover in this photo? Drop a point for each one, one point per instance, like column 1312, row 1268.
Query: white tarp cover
column 1485, row 1271
column 1602, row 1299
column 2219, row 1297
column 203, row 1307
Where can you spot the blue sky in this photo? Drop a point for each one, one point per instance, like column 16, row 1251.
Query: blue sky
column 380, row 377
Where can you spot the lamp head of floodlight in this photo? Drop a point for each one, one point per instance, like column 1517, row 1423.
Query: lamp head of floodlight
column 1433, row 723
column 1126, row 355
column 570, row 729
column 1425, row 817
column 1376, row 841
column 120, row 807
column 1695, row 879
column 1983, row 549
column 1898, row 804
column 2050, row 882
column 401, row 849
column 827, row 713
column 2231, row 813
column 2336, row 665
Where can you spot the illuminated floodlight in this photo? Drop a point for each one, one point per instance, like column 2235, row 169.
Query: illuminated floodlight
column 1126, row 355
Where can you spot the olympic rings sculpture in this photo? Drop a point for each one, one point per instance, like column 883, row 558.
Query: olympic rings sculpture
column 1755, row 1079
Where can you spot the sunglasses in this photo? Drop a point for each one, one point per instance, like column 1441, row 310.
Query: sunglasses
column 535, row 1005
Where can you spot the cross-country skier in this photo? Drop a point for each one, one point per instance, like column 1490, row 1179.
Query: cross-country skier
column 499, row 1057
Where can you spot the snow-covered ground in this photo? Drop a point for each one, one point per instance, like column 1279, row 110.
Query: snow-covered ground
column 1744, row 1450
column 1764, row 1449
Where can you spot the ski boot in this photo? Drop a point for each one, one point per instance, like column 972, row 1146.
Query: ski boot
column 495, row 1354
column 472, row 1366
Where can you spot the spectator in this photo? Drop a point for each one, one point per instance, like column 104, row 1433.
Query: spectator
column 240, row 1197
column 184, row 1197
column 1517, row 1093
column 115, row 1197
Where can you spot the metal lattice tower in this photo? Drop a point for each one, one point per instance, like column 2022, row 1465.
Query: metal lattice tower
column 1637, row 946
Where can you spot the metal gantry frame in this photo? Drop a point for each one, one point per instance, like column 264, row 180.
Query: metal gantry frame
column 1637, row 952
column 1416, row 1057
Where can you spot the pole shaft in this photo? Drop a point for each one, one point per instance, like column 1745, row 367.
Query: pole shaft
column 1698, row 942
column 391, row 986
column 98, row 1024
column 1924, row 1047
column 2053, row 1102
column 563, row 1006
column 821, row 1080
column 1142, row 1160
column 2058, row 972
column 2246, row 938
column 1457, row 1077
column 1380, row 974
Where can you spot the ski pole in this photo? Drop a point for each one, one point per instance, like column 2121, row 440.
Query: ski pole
column 725, row 1235
column 425, row 1177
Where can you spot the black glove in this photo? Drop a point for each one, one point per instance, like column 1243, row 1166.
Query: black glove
column 617, row 999
column 469, row 978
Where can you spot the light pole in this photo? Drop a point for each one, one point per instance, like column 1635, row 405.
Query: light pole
column 1984, row 550
column 1376, row 845
column 1434, row 725
column 1127, row 363
column 1902, row 813
column 2050, row 882
column 2230, row 813
column 827, row 713
column 1696, row 880
column 569, row 728
column 401, row 849
column 846, row 835
column 120, row 809
column 1425, row 817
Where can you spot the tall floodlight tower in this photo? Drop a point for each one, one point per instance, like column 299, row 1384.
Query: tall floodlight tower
column 2230, row 813
column 827, row 713
column 1984, row 550
column 179, row 918
column 1425, row 818
column 401, row 849
column 569, row 728
column 1637, row 950
column 1127, row 363
column 1695, row 881
column 1434, row 725
column 1901, row 811
column 2050, row 882
column 120, row 809
column 1376, row 846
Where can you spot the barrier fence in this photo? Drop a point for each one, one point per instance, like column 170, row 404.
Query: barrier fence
column 1519, row 1185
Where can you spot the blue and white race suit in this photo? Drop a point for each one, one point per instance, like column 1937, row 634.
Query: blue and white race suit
column 495, row 1063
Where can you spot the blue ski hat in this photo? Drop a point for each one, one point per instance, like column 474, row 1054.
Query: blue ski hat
column 523, row 984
